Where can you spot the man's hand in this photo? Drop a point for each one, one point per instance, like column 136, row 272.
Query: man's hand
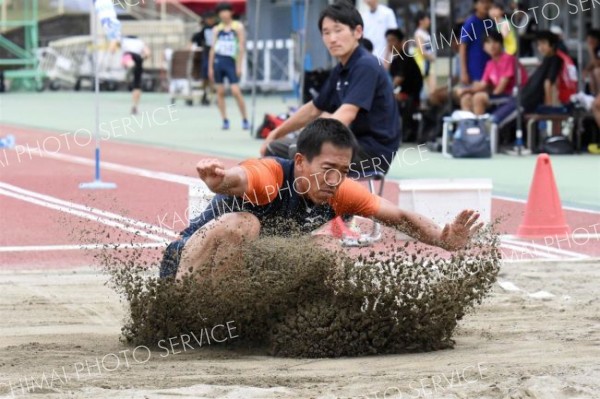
column 212, row 172
column 456, row 235
column 263, row 147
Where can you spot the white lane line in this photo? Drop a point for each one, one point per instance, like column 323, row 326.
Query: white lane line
column 528, row 251
column 109, row 215
column 84, row 215
column 548, row 249
column 36, row 248
column 570, row 208
column 589, row 236
column 151, row 174
column 535, row 261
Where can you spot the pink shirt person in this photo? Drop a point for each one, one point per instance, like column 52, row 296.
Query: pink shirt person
column 503, row 67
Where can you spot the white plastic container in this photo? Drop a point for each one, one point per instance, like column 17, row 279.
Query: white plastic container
column 442, row 199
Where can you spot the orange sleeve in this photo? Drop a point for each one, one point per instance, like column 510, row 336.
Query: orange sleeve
column 265, row 177
column 352, row 198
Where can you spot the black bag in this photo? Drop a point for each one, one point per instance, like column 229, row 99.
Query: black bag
column 471, row 139
column 557, row 145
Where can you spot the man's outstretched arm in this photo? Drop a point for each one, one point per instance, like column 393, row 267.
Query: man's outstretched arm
column 452, row 237
column 232, row 181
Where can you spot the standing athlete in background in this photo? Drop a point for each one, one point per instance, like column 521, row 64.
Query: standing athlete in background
column 135, row 52
column 226, row 57
column 204, row 40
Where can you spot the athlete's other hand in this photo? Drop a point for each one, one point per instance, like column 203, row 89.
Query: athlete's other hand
column 457, row 234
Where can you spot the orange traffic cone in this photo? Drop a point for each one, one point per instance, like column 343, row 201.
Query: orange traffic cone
column 544, row 215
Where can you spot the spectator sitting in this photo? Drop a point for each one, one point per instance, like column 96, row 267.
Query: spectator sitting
column 592, row 70
column 439, row 96
column 472, row 56
column 557, row 30
column 550, row 85
column 406, row 78
column 498, row 14
column 498, row 79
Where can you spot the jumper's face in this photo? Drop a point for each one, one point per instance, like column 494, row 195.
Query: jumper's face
column 339, row 39
column 320, row 178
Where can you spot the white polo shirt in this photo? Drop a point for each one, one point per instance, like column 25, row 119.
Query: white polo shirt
column 376, row 24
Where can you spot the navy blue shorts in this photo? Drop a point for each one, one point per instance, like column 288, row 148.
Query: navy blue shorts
column 224, row 67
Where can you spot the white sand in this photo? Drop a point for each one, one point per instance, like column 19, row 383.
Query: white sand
column 515, row 345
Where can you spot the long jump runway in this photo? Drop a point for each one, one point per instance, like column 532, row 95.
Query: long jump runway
column 45, row 211
column 57, row 315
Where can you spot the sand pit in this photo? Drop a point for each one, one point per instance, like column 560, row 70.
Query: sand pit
column 294, row 298
column 514, row 346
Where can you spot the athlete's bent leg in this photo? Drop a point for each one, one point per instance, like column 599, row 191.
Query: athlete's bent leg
column 218, row 243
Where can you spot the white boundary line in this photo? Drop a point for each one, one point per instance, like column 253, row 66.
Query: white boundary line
column 36, row 248
column 104, row 214
column 164, row 176
column 531, row 261
column 84, row 215
column 530, row 252
column 570, row 208
column 547, row 249
column 592, row 236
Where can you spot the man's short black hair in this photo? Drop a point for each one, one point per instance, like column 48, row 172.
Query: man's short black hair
column 397, row 33
column 594, row 33
column 342, row 11
column 494, row 36
column 548, row 36
column 325, row 130
column 222, row 7
column 367, row 44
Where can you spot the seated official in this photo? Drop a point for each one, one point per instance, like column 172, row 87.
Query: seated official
column 357, row 93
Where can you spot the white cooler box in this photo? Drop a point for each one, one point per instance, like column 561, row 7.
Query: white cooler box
column 442, row 199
